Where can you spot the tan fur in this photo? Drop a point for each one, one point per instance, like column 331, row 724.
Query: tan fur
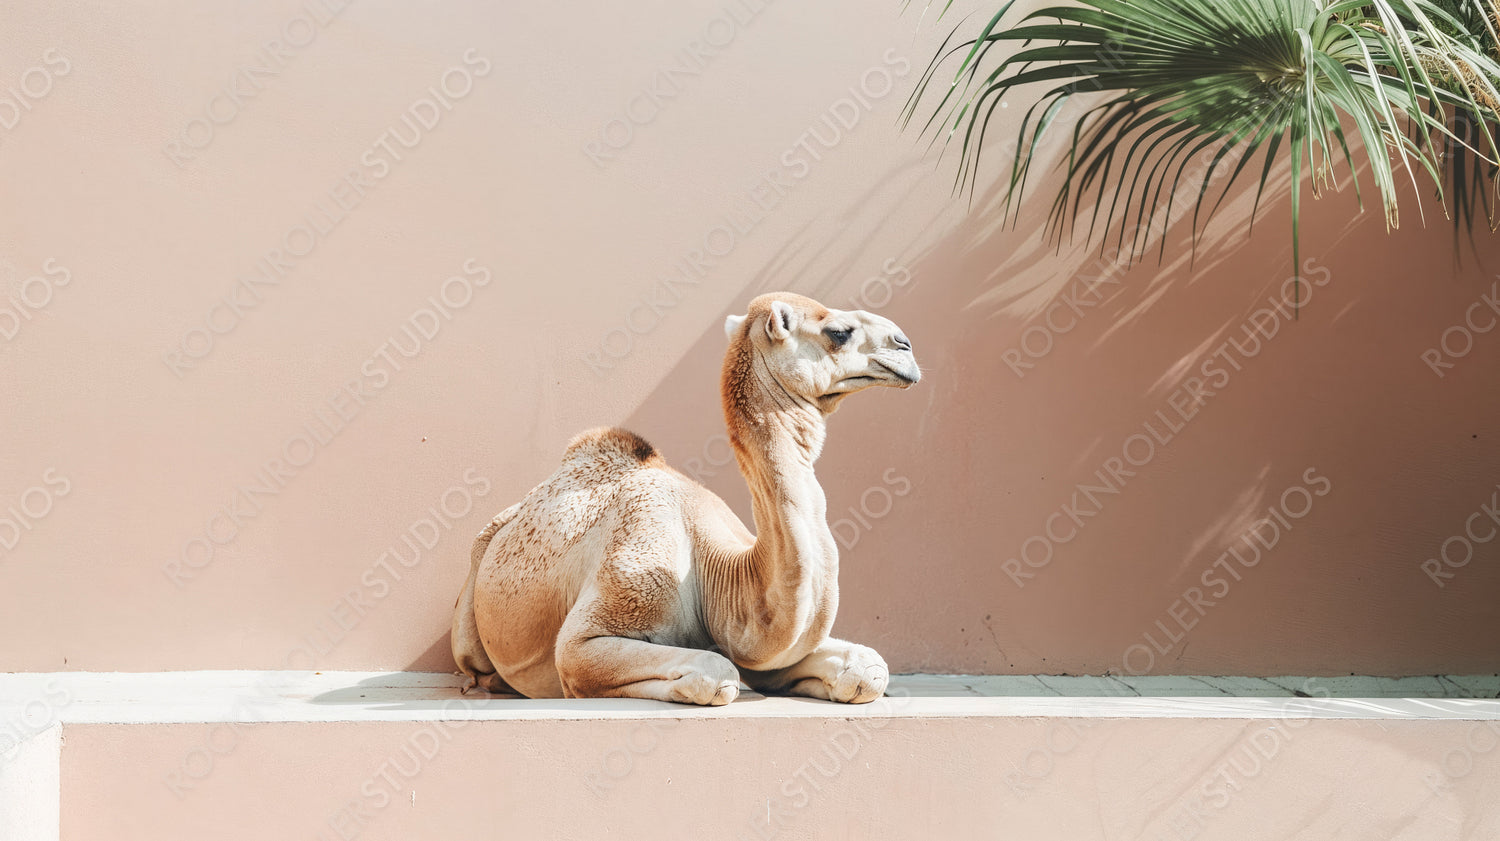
column 619, row 576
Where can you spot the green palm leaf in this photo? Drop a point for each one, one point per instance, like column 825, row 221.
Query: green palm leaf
column 1162, row 83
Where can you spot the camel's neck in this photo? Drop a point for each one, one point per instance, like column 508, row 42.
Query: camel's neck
column 777, row 437
column 792, row 539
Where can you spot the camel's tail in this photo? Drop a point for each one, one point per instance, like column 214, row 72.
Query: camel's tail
column 468, row 648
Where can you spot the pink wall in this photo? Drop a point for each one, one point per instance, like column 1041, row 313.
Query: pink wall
column 144, row 410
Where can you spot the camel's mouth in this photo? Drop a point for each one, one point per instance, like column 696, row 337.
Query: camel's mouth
column 849, row 384
column 906, row 378
column 891, row 374
column 892, row 378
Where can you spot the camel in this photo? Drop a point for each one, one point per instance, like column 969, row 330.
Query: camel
column 621, row 577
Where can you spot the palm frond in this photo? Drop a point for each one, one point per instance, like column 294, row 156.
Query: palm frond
column 1151, row 87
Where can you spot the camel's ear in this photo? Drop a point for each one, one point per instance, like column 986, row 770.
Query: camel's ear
column 782, row 319
column 732, row 326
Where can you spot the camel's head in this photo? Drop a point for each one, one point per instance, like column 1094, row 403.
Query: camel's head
column 822, row 354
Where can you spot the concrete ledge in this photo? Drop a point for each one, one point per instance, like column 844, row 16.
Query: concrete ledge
column 31, row 787
column 242, row 756
column 245, row 696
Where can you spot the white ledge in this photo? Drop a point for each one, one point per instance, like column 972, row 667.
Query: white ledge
column 31, row 787
column 249, row 697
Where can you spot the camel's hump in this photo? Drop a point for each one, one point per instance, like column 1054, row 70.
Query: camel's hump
column 611, row 441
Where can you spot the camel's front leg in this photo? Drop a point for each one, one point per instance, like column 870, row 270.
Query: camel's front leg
column 602, row 648
column 836, row 670
column 620, row 667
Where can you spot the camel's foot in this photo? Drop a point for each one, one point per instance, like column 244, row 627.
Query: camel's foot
column 495, row 685
column 709, row 681
column 489, row 682
column 846, row 672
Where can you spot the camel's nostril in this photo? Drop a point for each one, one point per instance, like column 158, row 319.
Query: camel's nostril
column 902, row 342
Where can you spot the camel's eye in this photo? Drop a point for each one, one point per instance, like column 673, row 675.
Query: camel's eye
column 838, row 337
